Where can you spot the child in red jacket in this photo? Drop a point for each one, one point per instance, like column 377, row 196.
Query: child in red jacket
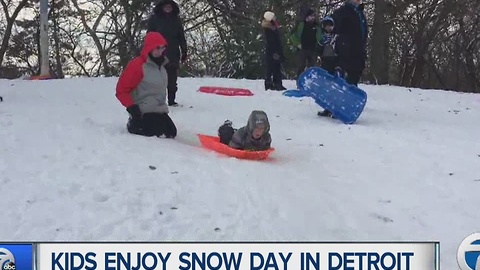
column 141, row 88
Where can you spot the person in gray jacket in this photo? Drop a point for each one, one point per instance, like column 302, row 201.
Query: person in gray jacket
column 255, row 136
column 142, row 89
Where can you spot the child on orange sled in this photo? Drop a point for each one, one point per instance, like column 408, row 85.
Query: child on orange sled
column 255, row 136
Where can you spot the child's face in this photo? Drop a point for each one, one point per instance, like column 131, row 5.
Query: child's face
column 329, row 28
column 258, row 132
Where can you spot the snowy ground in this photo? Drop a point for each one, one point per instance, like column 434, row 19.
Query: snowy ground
column 409, row 169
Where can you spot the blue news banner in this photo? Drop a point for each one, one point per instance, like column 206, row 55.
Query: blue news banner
column 219, row 256
column 16, row 256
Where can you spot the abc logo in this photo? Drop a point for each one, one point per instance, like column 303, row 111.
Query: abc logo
column 7, row 261
column 468, row 253
column 9, row 266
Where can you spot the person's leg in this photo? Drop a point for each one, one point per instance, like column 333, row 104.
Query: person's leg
column 353, row 77
column 166, row 126
column 269, row 73
column 135, row 127
column 328, row 63
column 311, row 58
column 303, row 59
column 172, row 72
column 149, row 127
column 277, row 77
column 225, row 132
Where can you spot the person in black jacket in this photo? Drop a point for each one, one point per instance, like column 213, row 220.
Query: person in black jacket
column 274, row 52
column 352, row 29
column 166, row 21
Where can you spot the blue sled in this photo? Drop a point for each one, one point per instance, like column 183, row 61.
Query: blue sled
column 345, row 101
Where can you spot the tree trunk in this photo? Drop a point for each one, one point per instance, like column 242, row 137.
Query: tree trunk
column 8, row 30
column 58, row 57
column 380, row 43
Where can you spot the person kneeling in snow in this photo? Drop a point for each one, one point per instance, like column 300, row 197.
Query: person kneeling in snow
column 254, row 136
column 141, row 88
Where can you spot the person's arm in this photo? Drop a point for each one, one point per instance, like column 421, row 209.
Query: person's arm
column 238, row 140
column 267, row 141
column 128, row 81
column 182, row 39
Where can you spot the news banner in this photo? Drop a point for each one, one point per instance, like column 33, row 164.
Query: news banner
column 220, row 256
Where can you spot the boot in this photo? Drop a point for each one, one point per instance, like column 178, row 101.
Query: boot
column 326, row 113
column 279, row 87
column 268, row 85
column 172, row 93
column 225, row 132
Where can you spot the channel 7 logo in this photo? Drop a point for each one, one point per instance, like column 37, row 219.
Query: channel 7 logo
column 468, row 253
column 16, row 257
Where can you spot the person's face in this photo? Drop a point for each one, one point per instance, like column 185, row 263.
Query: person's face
column 258, row 132
column 157, row 52
column 311, row 18
column 357, row 2
column 329, row 28
column 167, row 8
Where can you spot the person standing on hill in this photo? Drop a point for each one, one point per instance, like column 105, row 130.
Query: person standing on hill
column 273, row 52
column 352, row 29
column 166, row 21
column 350, row 25
column 306, row 37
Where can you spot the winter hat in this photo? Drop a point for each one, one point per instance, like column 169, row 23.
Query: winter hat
column 328, row 20
column 309, row 12
column 269, row 16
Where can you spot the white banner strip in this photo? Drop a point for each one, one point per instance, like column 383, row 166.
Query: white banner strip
column 237, row 256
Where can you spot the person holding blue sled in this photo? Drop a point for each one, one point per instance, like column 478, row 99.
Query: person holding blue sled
column 351, row 32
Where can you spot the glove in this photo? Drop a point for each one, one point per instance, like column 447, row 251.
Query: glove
column 339, row 72
column 135, row 112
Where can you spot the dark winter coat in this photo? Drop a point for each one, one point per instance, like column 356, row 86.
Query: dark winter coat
column 242, row 138
column 351, row 27
column 171, row 27
column 273, row 42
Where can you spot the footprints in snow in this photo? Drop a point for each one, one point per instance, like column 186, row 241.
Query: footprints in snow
column 381, row 217
column 154, row 168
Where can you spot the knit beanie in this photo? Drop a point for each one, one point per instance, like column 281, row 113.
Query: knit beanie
column 269, row 16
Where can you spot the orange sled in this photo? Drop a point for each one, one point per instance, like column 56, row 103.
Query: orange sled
column 213, row 143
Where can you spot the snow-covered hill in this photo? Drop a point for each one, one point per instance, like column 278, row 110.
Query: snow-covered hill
column 409, row 169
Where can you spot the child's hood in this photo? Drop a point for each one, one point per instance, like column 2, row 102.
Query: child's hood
column 257, row 118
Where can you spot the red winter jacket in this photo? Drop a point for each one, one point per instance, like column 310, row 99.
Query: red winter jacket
column 143, row 82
